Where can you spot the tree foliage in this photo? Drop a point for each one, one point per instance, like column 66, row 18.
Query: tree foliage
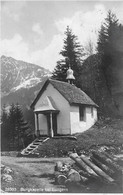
column 89, row 48
column 110, row 45
column 102, row 72
column 4, row 129
column 71, row 53
column 15, row 130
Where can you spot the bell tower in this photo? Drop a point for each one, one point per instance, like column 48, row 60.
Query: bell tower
column 70, row 77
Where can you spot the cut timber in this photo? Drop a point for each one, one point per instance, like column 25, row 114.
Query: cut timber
column 74, row 176
column 58, row 166
column 101, row 157
column 80, row 171
column 82, row 165
column 60, row 178
column 105, row 168
column 97, row 169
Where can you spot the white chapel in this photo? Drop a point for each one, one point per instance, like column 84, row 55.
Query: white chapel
column 60, row 108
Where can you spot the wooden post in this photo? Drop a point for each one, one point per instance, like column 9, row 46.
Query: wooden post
column 37, row 120
column 51, row 125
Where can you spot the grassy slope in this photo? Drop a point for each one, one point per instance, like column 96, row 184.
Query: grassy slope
column 108, row 133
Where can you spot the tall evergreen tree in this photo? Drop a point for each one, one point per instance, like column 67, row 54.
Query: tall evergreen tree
column 15, row 131
column 110, row 37
column 71, row 53
column 21, row 127
column 4, row 115
column 12, row 125
column 89, row 48
column 4, row 129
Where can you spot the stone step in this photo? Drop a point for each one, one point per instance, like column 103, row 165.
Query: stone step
column 32, row 146
column 36, row 144
column 26, row 152
column 29, row 149
column 38, row 140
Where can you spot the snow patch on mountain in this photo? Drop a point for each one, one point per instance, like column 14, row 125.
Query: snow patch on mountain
column 17, row 74
column 28, row 83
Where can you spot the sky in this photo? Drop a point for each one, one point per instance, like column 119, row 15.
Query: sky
column 33, row 31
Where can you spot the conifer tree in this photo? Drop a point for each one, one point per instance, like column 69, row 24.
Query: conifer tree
column 4, row 129
column 12, row 125
column 21, row 126
column 110, row 37
column 71, row 53
column 4, row 115
column 12, row 122
column 15, row 131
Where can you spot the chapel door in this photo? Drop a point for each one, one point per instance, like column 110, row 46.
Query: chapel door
column 54, row 117
column 54, row 124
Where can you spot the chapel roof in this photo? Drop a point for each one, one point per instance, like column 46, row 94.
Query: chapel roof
column 70, row 92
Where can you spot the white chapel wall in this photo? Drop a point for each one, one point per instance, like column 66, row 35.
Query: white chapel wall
column 78, row 126
column 63, row 118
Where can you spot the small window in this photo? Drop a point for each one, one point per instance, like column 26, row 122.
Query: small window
column 92, row 113
column 81, row 112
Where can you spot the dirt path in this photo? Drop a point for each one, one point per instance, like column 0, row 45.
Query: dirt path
column 32, row 174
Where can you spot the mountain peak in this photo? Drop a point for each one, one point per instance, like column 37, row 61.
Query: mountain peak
column 16, row 74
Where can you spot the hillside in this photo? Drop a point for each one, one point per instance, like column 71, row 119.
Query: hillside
column 106, row 134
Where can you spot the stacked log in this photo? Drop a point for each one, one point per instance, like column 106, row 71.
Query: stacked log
column 82, row 164
column 112, row 164
column 106, row 160
column 117, row 170
column 101, row 167
column 97, row 170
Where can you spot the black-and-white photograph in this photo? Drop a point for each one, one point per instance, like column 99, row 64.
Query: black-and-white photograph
column 61, row 96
